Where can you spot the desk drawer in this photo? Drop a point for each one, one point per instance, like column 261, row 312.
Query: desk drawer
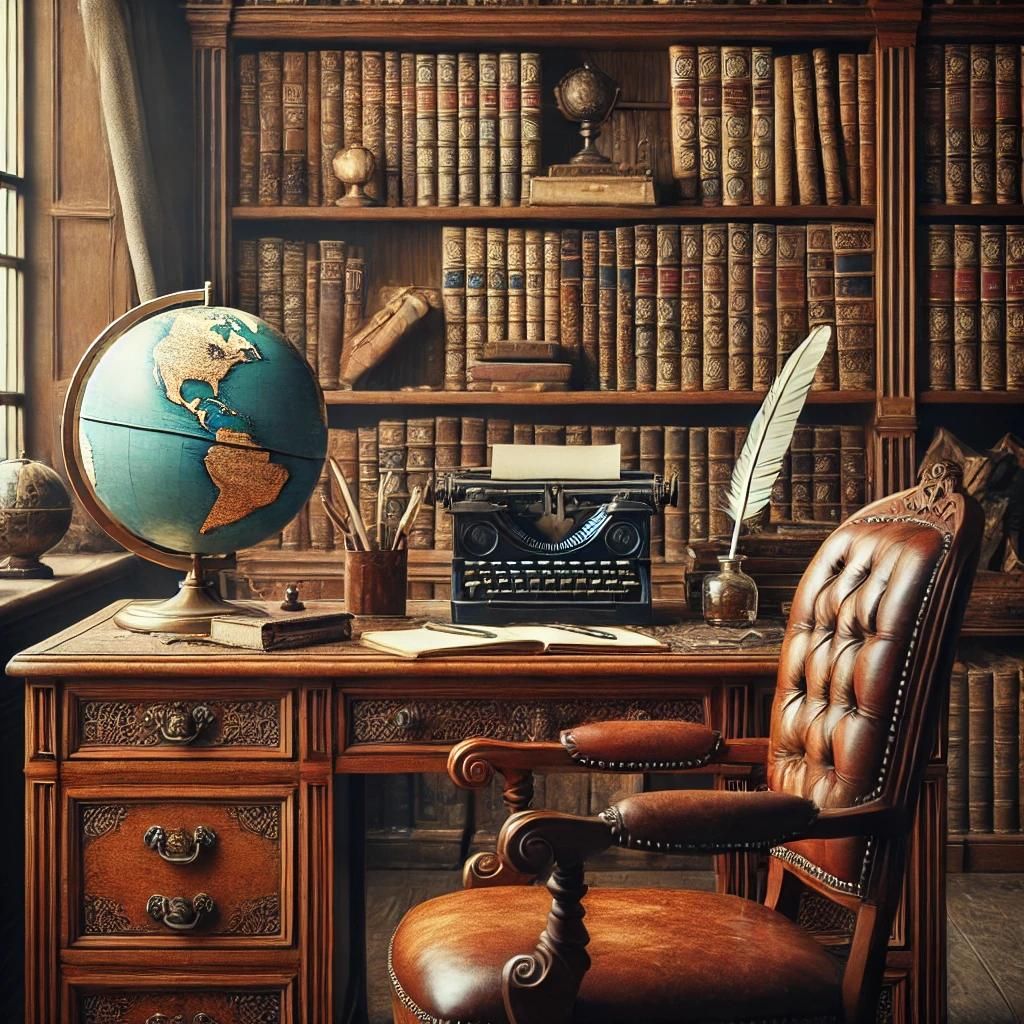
column 184, row 867
column 178, row 720
column 373, row 720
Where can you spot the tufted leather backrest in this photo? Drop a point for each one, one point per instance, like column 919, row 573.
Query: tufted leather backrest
column 857, row 651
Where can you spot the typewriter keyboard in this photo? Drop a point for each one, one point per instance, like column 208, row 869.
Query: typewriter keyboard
column 551, row 580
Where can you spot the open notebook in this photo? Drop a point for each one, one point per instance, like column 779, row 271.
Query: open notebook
column 441, row 639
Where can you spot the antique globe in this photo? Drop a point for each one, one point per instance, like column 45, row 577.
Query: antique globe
column 35, row 512
column 191, row 431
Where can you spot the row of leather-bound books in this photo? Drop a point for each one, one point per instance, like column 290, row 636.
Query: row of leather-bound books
column 665, row 307
column 822, row 480
column 752, row 126
column 445, row 129
column 986, row 733
column 540, row 3
column 975, row 324
column 972, row 100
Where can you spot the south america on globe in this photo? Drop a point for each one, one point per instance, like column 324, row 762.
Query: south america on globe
column 202, row 430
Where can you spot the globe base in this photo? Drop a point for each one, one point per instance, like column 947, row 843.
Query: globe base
column 188, row 612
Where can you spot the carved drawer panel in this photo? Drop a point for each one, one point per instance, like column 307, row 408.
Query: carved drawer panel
column 425, row 720
column 189, row 720
column 183, row 867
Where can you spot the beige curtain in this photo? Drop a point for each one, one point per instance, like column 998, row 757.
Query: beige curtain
column 140, row 53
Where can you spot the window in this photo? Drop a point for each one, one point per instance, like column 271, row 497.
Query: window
column 12, row 231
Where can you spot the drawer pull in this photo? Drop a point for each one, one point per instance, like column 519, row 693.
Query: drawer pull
column 177, row 846
column 180, row 914
column 162, row 1018
column 409, row 719
column 177, row 722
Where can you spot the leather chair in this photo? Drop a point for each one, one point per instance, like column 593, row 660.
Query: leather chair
column 864, row 666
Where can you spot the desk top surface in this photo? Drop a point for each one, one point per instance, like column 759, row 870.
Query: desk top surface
column 95, row 647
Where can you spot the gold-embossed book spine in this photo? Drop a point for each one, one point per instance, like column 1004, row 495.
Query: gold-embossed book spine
column 529, row 121
column 1015, row 307
column 331, row 132
column 966, row 314
column 447, row 130
column 247, row 276
column 933, row 113
column 940, row 307
column 821, row 299
column 645, row 315
column 808, row 167
column 790, row 289
column 392, row 128
column 1008, row 123
column 589, row 342
column 958, row 123
column 293, row 293
column 607, row 304
column 570, row 294
column 866, row 126
column 828, row 134
column 849, row 125
column 764, row 316
column 373, row 118
column 983, row 123
column 825, row 493
column 488, row 129
column 709, row 74
column 552, row 285
column 248, row 130
column 714, row 302
column 625, row 360
column 426, row 129
column 992, row 308
column 468, row 149
column 497, row 285
column 314, row 153
column 736, row 113
column 352, row 98
column 508, row 129
column 271, row 281
column 741, row 307
column 270, row 139
column 515, row 283
column 667, row 310
column 684, row 126
column 784, row 155
column 698, row 483
column 332, row 306
column 476, row 294
column 691, row 308
column 408, row 126
column 854, row 253
column 453, row 296
column 762, row 126
column 534, row 263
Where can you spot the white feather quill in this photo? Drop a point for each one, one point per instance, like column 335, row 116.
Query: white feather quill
column 770, row 434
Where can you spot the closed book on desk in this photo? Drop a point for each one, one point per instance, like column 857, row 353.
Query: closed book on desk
column 256, row 633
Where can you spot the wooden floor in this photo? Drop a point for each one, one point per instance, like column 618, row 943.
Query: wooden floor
column 986, row 934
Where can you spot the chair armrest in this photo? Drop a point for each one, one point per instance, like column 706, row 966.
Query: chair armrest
column 639, row 746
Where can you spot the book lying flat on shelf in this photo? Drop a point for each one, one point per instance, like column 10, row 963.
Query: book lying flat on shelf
column 439, row 640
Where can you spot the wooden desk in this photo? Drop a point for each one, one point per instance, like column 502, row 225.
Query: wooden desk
column 125, row 732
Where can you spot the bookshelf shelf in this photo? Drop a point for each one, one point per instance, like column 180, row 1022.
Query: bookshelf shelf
column 969, row 23
column 971, row 398
column 510, row 214
column 1003, row 211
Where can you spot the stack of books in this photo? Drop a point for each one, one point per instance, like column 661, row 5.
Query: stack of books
column 446, row 129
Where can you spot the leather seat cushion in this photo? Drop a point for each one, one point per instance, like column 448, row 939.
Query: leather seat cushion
column 658, row 956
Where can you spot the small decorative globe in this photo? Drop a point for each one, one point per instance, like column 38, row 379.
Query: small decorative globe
column 35, row 512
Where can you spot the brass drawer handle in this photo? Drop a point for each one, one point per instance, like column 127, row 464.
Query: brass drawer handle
column 409, row 719
column 177, row 846
column 178, row 913
column 177, row 723
column 162, row 1018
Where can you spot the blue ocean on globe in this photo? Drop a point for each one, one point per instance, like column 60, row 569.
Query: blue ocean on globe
column 202, row 430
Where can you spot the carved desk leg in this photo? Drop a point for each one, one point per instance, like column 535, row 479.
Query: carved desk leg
column 487, row 868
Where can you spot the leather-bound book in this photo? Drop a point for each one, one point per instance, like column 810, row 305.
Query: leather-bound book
column 629, row 440
column 668, row 299
column 866, row 126
column 801, row 461
column 271, row 157
column 720, row 463
column 940, row 307
column 392, row 445
column 709, row 103
column 763, row 316
column 426, row 129
column 552, row 434
column 447, row 130
column 352, row 98
column 825, row 494
column 446, row 460
column 314, row 154
column 979, row 748
column 577, row 434
column 331, row 136
column 295, row 536
column 785, row 153
column 821, row 299
column 488, row 129
column 1008, row 123
column 369, row 474
column 602, row 434
column 497, row 285
column 714, row 299
column 312, row 304
column 781, row 504
column 607, row 305
column 419, row 472
column 992, row 308
column 473, row 442
column 515, row 283
column 849, row 125
column 453, row 297
column 499, row 431
column 392, row 128
column 476, row 293
column 828, row 133
column 691, row 307
column 522, row 433
column 645, row 314
column 589, row 341
column 625, row 360
column 332, row 306
column 293, row 292
column 468, row 115
column 741, row 307
column 698, row 484
column 343, row 447
column 958, row 123
column 808, row 167
column 1005, row 745
column 570, row 294
column 956, row 751
column 508, row 129
column 533, row 258
column 762, row 126
column 529, row 121
column 685, row 132
column 293, row 122
column 355, row 293
column 271, row 281
column 248, row 130
column 854, row 248
column 677, row 453
column 790, row 289
column 736, row 111
column 320, row 533
column 933, row 118
column 1015, row 307
column 852, row 471
column 652, row 460
column 373, row 118
column 408, row 145
column 552, row 285
column 983, row 123
column 966, row 314
column 247, row 276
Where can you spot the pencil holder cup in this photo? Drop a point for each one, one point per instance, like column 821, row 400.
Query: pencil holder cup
column 376, row 581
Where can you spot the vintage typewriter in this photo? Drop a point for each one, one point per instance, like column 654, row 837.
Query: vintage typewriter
column 557, row 551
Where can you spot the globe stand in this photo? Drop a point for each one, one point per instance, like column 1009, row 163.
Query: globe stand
column 189, row 611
